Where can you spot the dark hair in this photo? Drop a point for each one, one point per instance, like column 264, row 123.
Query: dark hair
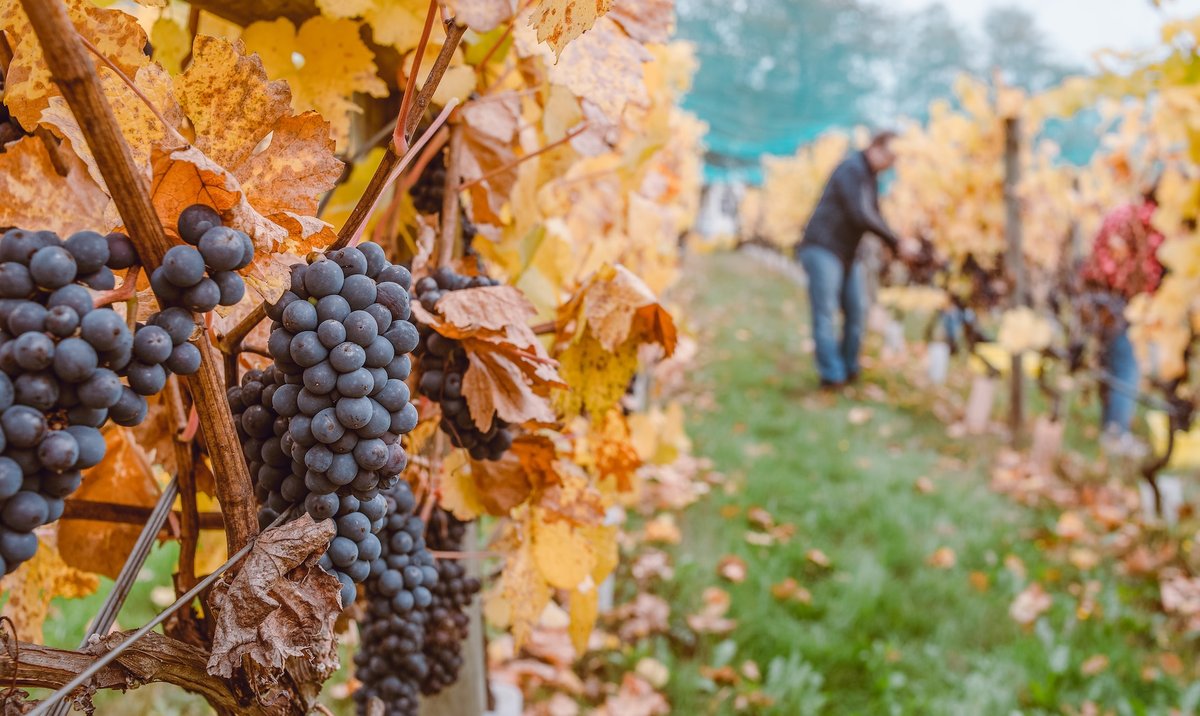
column 881, row 138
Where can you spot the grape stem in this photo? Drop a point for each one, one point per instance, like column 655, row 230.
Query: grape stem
column 447, row 238
column 401, row 132
column 127, row 290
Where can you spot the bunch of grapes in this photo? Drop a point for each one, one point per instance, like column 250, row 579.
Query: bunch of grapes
column 66, row 368
column 322, row 426
column 448, row 625
column 390, row 663
column 203, row 273
column 429, row 190
column 443, row 362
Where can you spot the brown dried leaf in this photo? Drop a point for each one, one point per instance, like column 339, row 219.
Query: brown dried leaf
column 648, row 21
column 490, row 128
column 123, row 477
column 481, row 15
column 506, row 383
column 733, row 568
column 489, row 307
column 635, row 698
column 605, row 65
column 500, row 485
column 34, row 196
column 280, row 605
column 558, row 22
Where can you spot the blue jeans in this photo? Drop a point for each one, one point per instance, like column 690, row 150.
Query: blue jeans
column 831, row 286
column 1120, row 361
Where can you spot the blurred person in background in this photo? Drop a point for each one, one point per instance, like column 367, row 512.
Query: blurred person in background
column 1123, row 263
column 848, row 209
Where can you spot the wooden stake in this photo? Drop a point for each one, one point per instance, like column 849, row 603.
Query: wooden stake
column 1016, row 267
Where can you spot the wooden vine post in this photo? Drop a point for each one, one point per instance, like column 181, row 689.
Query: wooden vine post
column 467, row 696
column 1016, row 268
column 75, row 74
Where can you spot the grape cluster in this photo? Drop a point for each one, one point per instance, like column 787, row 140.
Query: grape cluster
column 443, row 362
column 429, row 190
column 203, row 273
column 321, row 428
column 390, row 663
column 66, row 368
column 447, row 625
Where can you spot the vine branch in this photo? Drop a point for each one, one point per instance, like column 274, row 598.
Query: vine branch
column 75, row 74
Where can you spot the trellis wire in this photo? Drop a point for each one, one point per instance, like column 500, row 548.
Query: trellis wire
column 44, row 709
column 128, row 575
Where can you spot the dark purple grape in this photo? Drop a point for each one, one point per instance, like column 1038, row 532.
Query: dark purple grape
column 195, row 220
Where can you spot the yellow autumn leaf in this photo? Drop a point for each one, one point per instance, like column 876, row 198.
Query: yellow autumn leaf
column 598, row 378
column 28, row 85
column 603, row 541
column 558, row 22
column 605, row 66
column 31, row 587
column 325, row 63
column 522, row 595
column 584, row 608
column 171, row 42
column 393, row 22
column 563, row 553
column 459, row 491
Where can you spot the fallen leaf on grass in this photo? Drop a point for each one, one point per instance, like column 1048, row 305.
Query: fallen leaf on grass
column 790, row 590
column 662, row 529
column 759, row 517
column 1015, row 566
column 942, row 558
column 759, row 539
column 711, row 618
column 1171, row 664
column 859, row 415
column 1094, row 665
column 635, row 698
column 1070, row 526
column 980, row 582
column 733, row 568
column 652, row 564
column 751, row 671
column 1084, row 559
column 653, row 671
column 645, row 615
column 724, row 676
column 280, row 605
column 1030, row 604
column 924, row 486
column 818, row 558
column 728, row 512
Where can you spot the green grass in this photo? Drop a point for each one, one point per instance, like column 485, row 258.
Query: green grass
column 886, row 633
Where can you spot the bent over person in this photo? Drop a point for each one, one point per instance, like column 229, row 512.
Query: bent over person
column 848, row 209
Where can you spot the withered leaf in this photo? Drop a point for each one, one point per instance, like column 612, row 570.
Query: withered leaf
column 649, row 21
column 558, row 22
column 490, row 307
column 605, row 65
column 123, row 477
column 481, row 15
column 504, row 383
column 280, row 605
column 36, row 197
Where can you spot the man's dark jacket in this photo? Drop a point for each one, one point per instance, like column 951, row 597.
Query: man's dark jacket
column 849, row 208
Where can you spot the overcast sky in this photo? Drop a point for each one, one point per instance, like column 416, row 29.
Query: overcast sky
column 1082, row 26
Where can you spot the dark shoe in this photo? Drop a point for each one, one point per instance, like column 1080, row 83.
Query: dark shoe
column 852, row 378
column 832, row 385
